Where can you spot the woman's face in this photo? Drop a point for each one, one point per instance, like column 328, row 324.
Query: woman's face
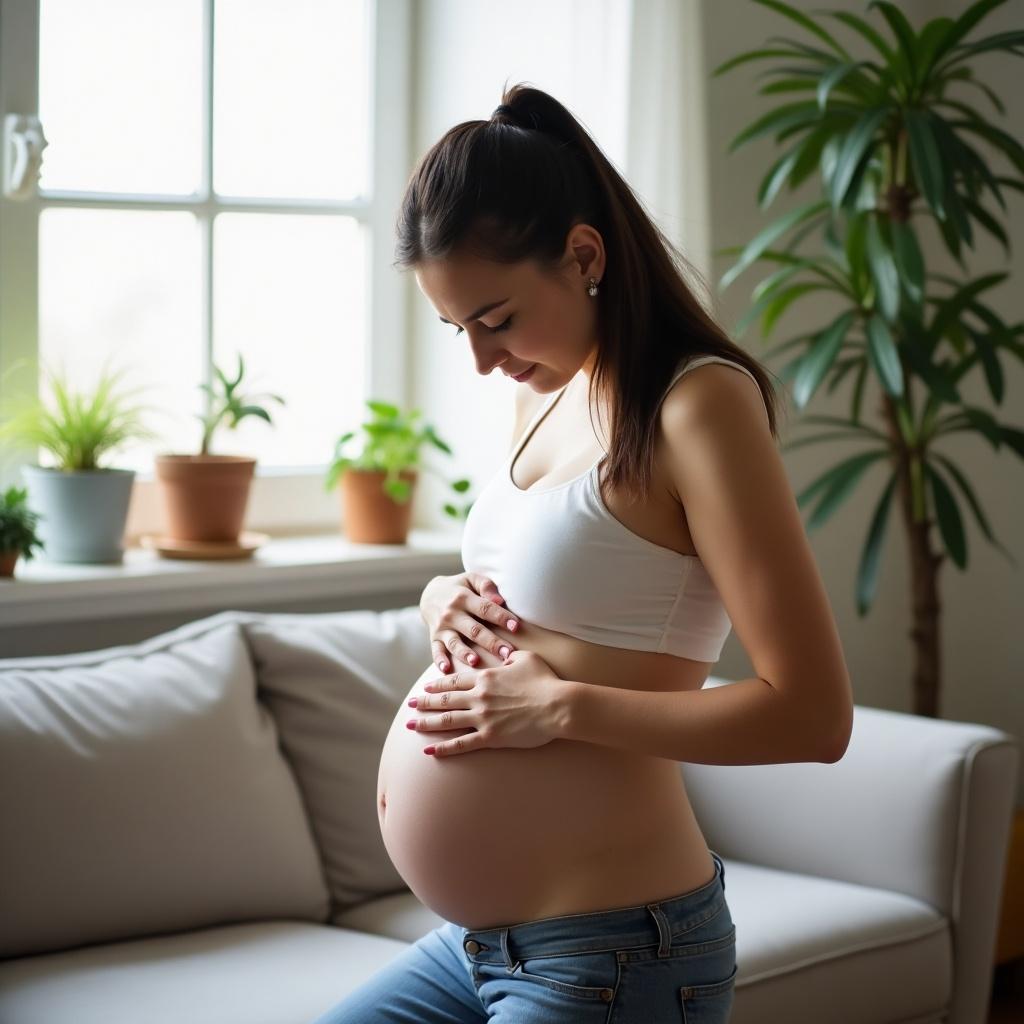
column 549, row 322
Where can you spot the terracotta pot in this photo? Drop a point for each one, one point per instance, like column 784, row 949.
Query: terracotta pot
column 369, row 514
column 7, row 562
column 205, row 496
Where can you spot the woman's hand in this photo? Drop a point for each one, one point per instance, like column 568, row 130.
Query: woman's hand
column 521, row 703
column 454, row 607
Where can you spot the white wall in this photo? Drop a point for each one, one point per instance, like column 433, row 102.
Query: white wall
column 984, row 606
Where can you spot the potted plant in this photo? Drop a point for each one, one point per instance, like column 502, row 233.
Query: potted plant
column 205, row 495
column 377, row 486
column 83, row 506
column 17, row 529
column 893, row 144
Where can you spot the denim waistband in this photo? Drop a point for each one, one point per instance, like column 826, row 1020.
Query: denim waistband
column 662, row 922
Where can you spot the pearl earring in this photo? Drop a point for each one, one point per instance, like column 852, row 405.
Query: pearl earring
column 592, row 289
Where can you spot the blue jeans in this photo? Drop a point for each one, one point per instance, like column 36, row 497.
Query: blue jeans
column 670, row 962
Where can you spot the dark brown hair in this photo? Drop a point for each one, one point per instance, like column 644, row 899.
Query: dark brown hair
column 510, row 189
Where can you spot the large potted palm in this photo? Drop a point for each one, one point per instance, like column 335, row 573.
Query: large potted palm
column 893, row 142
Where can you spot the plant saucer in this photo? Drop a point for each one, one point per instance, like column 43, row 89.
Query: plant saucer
column 171, row 547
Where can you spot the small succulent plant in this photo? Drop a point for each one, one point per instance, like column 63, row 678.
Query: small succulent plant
column 229, row 406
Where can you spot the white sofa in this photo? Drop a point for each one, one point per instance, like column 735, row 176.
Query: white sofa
column 189, row 835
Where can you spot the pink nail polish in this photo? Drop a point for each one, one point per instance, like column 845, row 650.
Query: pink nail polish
column 413, row 702
column 512, row 623
column 428, row 750
column 411, row 724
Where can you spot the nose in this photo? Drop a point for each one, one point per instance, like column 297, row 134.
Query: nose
column 487, row 360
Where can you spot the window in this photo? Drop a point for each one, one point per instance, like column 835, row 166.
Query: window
column 210, row 187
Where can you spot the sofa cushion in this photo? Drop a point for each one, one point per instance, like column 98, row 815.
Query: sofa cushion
column 334, row 682
column 142, row 791
column 276, row 972
column 398, row 915
column 813, row 949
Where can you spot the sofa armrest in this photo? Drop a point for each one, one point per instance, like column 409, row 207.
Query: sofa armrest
column 909, row 803
column 921, row 806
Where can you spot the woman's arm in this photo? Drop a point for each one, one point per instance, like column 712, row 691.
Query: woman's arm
column 746, row 526
column 746, row 722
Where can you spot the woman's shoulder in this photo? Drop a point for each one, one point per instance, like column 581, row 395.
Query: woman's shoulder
column 711, row 379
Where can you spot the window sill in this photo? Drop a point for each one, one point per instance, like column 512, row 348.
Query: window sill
column 285, row 569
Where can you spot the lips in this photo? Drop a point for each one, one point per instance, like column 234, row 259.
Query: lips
column 526, row 373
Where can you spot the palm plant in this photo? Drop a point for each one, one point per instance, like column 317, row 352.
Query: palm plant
column 893, row 145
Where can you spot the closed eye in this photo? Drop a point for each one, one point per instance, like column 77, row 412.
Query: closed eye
column 494, row 330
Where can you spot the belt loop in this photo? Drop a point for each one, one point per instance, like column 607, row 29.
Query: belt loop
column 664, row 929
column 721, row 867
column 509, row 963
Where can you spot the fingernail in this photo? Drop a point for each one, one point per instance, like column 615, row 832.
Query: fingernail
column 473, row 659
column 504, row 651
column 428, row 750
column 411, row 724
column 512, row 623
column 412, row 703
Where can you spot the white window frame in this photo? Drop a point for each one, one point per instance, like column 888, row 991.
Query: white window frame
column 284, row 500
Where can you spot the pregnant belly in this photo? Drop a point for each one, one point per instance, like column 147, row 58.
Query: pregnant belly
column 503, row 835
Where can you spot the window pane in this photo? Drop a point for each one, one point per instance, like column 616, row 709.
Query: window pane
column 290, row 295
column 120, row 95
column 290, row 98
column 126, row 285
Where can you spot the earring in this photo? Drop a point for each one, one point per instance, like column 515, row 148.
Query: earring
column 592, row 289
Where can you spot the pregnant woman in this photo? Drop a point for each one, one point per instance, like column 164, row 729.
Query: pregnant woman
column 529, row 789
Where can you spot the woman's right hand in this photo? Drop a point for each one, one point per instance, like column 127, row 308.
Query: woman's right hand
column 455, row 608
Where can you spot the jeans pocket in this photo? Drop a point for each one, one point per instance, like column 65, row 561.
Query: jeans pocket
column 589, row 975
column 709, row 1003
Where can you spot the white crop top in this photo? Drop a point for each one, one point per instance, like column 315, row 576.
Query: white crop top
column 563, row 561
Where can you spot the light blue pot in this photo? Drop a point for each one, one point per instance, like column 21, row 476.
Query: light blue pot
column 82, row 512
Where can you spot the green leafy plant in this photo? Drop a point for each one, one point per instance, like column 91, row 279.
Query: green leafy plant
column 82, row 427
column 893, row 141
column 18, row 523
column 229, row 408
column 392, row 442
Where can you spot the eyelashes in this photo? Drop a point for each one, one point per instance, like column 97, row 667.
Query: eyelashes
column 494, row 330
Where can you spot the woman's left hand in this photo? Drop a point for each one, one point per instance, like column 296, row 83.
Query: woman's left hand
column 520, row 703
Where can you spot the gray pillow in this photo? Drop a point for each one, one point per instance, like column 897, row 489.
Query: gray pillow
column 142, row 792
column 334, row 682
